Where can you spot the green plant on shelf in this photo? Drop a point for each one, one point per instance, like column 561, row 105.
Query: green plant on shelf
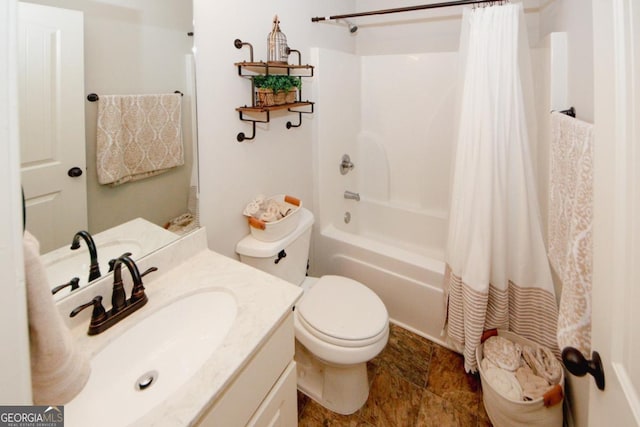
column 277, row 82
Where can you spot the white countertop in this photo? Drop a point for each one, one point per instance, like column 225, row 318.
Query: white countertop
column 263, row 302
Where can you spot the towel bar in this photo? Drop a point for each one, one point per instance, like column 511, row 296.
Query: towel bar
column 93, row 97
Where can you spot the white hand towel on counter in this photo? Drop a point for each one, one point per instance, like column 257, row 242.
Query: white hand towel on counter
column 58, row 370
column 138, row 136
column 570, row 226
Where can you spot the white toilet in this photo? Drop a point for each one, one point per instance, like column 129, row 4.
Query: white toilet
column 340, row 324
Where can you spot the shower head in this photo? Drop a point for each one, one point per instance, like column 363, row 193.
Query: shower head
column 352, row 27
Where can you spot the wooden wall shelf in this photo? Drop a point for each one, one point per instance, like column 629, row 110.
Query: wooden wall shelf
column 251, row 68
column 264, row 109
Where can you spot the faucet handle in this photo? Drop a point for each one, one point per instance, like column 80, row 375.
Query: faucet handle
column 148, row 270
column 346, row 165
column 73, row 283
column 137, row 292
column 99, row 313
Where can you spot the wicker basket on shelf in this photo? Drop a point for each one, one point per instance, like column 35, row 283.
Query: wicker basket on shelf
column 290, row 96
column 264, row 97
column 267, row 98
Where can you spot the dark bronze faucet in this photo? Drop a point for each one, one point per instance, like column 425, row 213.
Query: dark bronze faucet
column 94, row 267
column 121, row 307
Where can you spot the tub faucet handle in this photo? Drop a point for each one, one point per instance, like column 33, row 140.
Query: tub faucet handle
column 346, row 165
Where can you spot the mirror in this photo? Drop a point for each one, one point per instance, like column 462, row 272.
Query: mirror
column 129, row 47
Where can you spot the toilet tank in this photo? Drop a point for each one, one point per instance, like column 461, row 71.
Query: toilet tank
column 285, row 258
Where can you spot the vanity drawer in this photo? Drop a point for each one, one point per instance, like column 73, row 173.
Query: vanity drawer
column 243, row 397
column 279, row 408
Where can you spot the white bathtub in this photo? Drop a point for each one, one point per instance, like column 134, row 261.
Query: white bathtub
column 397, row 252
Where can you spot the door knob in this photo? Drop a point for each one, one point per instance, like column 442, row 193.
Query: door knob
column 578, row 365
column 74, row 172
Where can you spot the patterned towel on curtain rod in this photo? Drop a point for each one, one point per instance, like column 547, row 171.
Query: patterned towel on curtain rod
column 497, row 273
column 138, row 136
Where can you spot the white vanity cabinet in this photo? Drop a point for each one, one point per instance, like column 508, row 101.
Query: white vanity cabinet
column 263, row 393
column 248, row 379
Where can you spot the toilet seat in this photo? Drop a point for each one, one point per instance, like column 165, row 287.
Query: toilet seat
column 343, row 312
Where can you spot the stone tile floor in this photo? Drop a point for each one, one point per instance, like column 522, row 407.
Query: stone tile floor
column 414, row 382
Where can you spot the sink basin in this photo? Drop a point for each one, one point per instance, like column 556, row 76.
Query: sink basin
column 149, row 361
column 66, row 265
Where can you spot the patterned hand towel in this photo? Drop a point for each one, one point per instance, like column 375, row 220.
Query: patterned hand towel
column 570, row 222
column 138, row 136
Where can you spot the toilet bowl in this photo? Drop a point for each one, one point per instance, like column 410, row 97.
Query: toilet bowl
column 340, row 324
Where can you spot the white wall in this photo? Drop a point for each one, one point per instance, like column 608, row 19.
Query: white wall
column 14, row 358
column 575, row 18
column 278, row 160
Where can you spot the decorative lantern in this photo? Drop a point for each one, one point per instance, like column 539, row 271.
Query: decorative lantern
column 278, row 51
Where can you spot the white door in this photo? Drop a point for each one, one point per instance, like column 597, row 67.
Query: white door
column 616, row 281
column 51, row 110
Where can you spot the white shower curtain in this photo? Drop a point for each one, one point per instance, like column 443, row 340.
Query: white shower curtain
column 497, row 273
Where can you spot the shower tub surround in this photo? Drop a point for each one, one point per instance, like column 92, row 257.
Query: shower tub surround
column 399, row 139
column 226, row 386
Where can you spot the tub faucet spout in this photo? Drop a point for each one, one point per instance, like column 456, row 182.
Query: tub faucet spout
column 352, row 195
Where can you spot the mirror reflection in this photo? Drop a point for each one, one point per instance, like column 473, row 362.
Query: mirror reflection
column 67, row 50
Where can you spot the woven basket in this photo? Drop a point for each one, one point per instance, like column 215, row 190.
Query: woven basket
column 280, row 97
column 266, row 97
column 290, row 96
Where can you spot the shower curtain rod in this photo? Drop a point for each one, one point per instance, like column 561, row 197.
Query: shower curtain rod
column 401, row 9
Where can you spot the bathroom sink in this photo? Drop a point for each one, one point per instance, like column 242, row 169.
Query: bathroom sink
column 149, row 361
column 63, row 266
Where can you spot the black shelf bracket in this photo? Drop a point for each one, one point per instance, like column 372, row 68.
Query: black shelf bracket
column 300, row 113
column 239, row 44
column 241, row 137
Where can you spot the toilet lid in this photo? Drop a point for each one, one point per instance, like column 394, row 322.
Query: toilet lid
column 344, row 309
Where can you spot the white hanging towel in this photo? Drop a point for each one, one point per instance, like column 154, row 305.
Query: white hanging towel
column 570, row 226
column 138, row 136
column 497, row 273
column 59, row 370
